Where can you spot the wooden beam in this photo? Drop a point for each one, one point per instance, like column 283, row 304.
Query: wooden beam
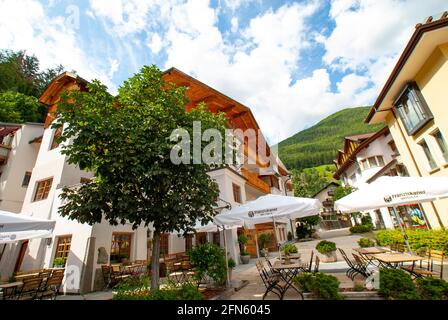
column 239, row 115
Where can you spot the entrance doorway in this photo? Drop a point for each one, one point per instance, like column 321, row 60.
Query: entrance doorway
column 21, row 255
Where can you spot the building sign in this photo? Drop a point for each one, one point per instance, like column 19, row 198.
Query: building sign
column 264, row 212
column 404, row 196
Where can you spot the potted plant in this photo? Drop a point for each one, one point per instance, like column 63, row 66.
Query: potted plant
column 59, row 263
column 263, row 240
column 230, row 265
column 366, row 243
column 287, row 250
column 328, row 250
column 244, row 255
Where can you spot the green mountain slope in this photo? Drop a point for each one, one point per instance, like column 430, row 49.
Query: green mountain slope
column 318, row 144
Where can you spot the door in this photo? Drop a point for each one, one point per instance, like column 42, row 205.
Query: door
column 21, row 255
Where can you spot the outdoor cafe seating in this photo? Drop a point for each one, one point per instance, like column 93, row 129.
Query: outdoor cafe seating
column 113, row 274
column 34, row 284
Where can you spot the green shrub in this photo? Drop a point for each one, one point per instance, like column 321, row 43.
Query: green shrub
column 59, row 262
column 358, row 287
column 366, row 243
column 396, row 284
column 321, row 285
column 289, row 248
column 306, row 226
column 432, row 288
column 366, row 220
column 209, row 259
column 304, row 281
column 244, row 253
column 231, row 263
column 418, row 238
column 242, row 239
column 263, row 240
column 362, row 228
column 133, row 288
column 289, row 236
column 325, row 246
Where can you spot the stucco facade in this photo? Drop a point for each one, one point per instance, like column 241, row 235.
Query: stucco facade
column 423, row 67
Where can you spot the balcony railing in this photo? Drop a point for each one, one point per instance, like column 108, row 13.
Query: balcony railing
column 255, row 181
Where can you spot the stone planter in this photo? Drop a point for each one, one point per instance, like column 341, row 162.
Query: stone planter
column 245, row 259
column 329, row 257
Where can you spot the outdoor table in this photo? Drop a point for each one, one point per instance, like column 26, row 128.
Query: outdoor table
column 8, row 289
column 371, row 250
column 393, row 259
column 288, row 272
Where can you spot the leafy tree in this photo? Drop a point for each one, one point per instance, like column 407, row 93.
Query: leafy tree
column 18, row 107
column 125, row 142
column 308, row 182
column 21, row 73
column 341, row 191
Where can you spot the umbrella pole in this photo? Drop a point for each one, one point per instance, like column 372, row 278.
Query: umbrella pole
column 256, row 244
column 276, row 238
column 403, row 231
column 3, row 251
column 227, row 262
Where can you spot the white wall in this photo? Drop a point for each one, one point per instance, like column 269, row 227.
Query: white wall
column 21, row 159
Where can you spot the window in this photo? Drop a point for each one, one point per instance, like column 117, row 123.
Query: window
column 216, row 238
column 393, row 146
column 236, row 193
column 364, row 164
column 164, row 243
column 26, row 179
column 42, row 190
column 57, row 134
column 412, row 109
column 380, row 160
column 372, row 162
column 121, row 247
column 428, row 154
column 63, row 247
column 442, row 144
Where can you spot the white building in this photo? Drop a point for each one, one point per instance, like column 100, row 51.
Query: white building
column 364, row 158
column 85, row 247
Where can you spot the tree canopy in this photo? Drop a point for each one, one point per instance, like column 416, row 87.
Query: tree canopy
column 21, row 83
column 125, row 141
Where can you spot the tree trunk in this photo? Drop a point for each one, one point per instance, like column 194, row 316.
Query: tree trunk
column 155, row 265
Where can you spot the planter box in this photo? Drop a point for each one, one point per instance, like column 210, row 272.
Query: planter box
column 245, row 259
column 329, row 257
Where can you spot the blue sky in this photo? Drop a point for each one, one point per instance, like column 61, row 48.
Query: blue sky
column 291, row 62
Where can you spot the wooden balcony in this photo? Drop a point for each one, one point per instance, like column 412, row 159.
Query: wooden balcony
column 255, row 181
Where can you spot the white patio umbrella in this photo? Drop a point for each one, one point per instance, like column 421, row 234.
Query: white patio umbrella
column 394, row 191
column 269, row 208
column 15, row 227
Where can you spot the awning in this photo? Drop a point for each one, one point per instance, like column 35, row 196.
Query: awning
column 15, row 227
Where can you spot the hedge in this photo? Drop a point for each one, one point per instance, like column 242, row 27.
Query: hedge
column 419, row 238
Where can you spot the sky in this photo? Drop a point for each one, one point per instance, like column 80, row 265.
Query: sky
column 292, row 62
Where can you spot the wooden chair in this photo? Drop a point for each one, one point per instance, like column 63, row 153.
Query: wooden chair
column 427, row 267
column 361, row 265
column 316, row 265
column 307, row 266
column 53, row 284
column 30, row 288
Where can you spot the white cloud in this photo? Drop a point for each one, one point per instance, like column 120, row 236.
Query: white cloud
column 155, row 43
column 24, row 25
column 114, row 65
column 234, row 24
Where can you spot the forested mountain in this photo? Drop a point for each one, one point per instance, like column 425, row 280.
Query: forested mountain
column 318, row 144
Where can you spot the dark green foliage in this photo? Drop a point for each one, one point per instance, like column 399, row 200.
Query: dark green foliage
column 323, row 286
column 289, row 248
column 263, row 240
column 396, row 284
column 325, row 246
column 366, row 220
column 431, row 288
column 341, row 191
column 21, row 83
column 434, row 239
column 133, row 288
column 319, row 144
column 209, row 260
column 17, row 108
column 290, row 237
column 305, row 228
column 231, row 263
column 366, row 243
column 362, row 228
column 308, row 182
column 242, row 240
